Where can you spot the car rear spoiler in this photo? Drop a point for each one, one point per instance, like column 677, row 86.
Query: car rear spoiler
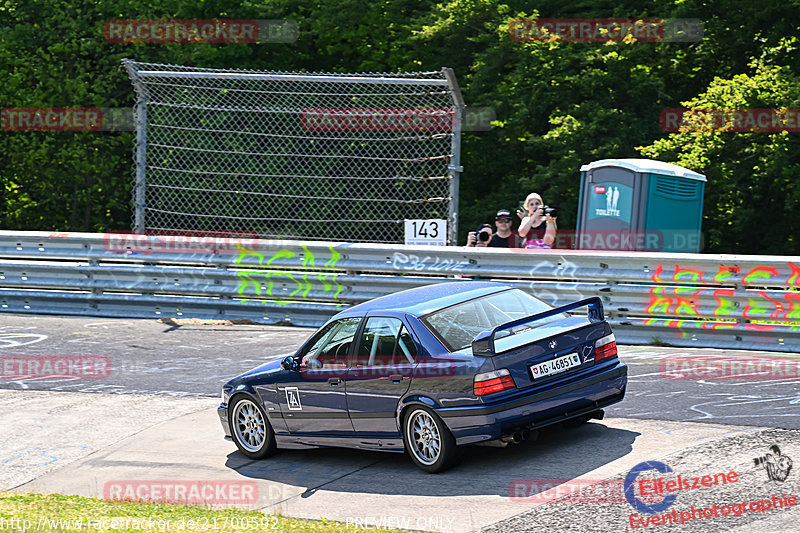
column 483, row 343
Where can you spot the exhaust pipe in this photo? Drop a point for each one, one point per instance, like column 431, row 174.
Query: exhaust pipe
column 514, row 438
column 599, row 414
column 518, row 436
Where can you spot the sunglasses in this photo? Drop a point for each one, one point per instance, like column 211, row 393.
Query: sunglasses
column 503, row 219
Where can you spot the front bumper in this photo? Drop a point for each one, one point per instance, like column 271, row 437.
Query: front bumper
column 222, row 411
column 536, row 409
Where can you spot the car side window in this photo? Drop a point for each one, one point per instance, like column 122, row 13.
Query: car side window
column 332, row 345
column 405, row 351
column 385, row 341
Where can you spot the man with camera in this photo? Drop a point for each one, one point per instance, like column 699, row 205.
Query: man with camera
column 502, row 238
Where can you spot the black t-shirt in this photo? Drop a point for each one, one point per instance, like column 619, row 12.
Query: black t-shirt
column 537, row 232
column 503, row 242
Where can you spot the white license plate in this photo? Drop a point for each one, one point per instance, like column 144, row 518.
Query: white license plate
column 555, row 366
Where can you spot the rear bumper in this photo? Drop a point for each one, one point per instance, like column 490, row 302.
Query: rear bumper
column 537, row 409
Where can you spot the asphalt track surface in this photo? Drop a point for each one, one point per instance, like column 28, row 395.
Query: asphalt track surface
column 152, row 418
column 150, row 357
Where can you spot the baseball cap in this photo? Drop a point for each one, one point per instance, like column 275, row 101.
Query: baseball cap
column 482, row 227
column 503, row 213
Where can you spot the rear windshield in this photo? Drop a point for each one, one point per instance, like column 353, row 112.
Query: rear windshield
column 458, row 325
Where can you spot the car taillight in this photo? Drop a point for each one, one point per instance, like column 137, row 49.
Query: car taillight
column 605, row 347
column 495, row 381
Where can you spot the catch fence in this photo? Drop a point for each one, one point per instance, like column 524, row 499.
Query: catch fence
column 292, row 155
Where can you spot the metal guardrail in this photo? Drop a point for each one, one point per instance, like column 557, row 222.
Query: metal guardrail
column 721, row 301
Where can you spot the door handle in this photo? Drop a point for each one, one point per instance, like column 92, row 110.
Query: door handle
column 396, row 378
column 334, row 382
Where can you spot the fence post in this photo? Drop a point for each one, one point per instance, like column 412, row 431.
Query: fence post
column 454, row 168
column 140, row 149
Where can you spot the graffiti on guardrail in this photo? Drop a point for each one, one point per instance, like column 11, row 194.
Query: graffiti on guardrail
column 566, row 291
column 754, row 303
column 401, row 261
column 250, row 281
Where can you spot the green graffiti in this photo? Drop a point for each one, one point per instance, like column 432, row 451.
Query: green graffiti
column 659, row 301
column 335, row 256
column 686, row 306
column 253, row 278
column 308, row 257
column 683, row 273
column 794, row 311
column 793, row 279
column 726, row 306
column 723, row 276
column 244, row 252
column 283, row 253
column 756, row 306
column 759, row 273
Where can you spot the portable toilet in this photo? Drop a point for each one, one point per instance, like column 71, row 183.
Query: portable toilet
column 639, row 204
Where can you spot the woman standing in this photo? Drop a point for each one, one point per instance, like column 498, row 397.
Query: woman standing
column 538, row 229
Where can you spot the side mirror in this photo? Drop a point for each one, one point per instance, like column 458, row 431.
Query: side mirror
column 290, row 363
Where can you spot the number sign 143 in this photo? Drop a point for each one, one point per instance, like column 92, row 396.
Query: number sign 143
column 430, row 232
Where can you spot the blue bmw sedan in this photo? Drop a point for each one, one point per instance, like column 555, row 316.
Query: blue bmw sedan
column 428, row 370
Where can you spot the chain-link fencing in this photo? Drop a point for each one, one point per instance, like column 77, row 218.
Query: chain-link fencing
column 294, row 155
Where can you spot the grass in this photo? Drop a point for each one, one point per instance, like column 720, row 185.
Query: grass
column 656, row 341
column 56, row 512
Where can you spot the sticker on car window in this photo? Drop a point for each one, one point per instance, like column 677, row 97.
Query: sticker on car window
column 293, row 399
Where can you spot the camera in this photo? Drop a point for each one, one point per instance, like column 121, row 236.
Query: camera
column 484, row 236
column 550, row 211
column 763, row 459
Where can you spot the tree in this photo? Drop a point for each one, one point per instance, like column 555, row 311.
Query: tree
column 752, row 196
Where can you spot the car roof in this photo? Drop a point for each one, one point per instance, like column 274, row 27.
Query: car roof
column 423, row 300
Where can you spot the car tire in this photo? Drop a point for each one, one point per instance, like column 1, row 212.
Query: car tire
column 250, row 429
column 428, row 440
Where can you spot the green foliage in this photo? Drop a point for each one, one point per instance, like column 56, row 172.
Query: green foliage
column 753, row 197
column 558, row 104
